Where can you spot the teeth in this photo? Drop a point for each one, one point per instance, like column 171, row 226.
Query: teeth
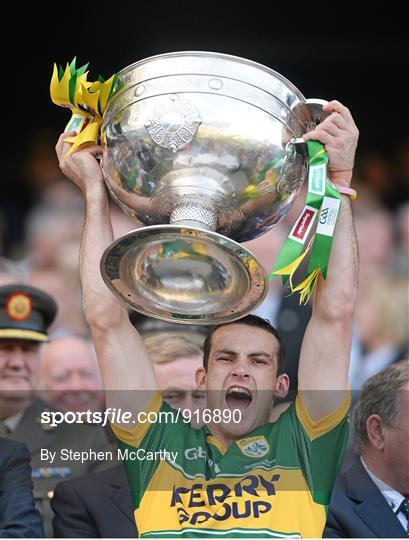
column 239, row 390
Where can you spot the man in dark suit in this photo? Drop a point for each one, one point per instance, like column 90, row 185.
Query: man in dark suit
column 94, row 506
column 18, row 515
column 371, row 499
column 25, row 315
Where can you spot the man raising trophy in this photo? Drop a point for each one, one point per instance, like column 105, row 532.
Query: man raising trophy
column 240, row 474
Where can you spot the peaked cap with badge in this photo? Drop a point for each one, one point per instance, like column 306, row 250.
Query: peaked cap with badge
column 25, row 313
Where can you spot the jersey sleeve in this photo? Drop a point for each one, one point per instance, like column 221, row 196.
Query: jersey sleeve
column 149, row 435
column 320, row 445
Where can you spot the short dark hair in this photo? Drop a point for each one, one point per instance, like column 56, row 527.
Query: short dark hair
column 256, row 322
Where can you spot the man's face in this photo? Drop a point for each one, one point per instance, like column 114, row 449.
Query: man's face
column 70, row 378
column 242, row 375
column 18, row 368
column 396, row 449
column 177, row 383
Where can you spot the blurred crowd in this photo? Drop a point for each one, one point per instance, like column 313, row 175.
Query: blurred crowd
column 40, row 247
column 42, row 250
column 41, row 239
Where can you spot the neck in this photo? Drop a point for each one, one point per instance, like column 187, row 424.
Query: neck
column 382, row 471
column 10, row 407
column 216, row 432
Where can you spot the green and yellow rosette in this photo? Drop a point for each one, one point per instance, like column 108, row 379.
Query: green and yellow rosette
column 87, row 101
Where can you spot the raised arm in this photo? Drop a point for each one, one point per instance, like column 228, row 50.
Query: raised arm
column 326, row 348
column 124, row 361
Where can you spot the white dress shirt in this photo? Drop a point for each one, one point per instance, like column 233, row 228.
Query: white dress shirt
column 13, row 421
column 392, row 497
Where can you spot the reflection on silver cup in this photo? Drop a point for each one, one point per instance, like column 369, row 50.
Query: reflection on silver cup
column 199, row 148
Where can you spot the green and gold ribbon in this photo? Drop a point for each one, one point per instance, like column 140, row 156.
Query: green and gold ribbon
column 87, row 101
column 323, row 202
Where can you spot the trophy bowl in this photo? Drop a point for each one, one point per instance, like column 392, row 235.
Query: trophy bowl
column 201, row 148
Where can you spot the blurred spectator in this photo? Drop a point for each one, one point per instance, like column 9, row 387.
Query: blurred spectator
column 12, row 271
column 148, row 326
column 53, row 229
column 377, row 172
column 375, row 231
column 31, row 176
column 64, row 288
column 382, row 323
column 18, row 516
column 371, row 499
column 400, row 262
column 176, row 360
column 69, row 375
column 40, row 167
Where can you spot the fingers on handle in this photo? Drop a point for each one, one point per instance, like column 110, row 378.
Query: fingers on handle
column 336, row 106
column 319, row 135
column 338, row 120
column 330, row 127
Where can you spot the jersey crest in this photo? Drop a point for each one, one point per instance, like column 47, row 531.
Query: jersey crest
column 255, row 447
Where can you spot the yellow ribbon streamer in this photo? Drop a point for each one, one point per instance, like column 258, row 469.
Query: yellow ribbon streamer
column 306, row 287
column 85, row 99
column 291, row 268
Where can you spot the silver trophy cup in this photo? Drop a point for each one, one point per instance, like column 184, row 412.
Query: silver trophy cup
column 201, row 148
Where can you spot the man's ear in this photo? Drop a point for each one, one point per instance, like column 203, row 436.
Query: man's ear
column 201, row 377
column 282, row 385
column 374, row 430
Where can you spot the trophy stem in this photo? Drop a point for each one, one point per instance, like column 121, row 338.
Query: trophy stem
column 193, row 214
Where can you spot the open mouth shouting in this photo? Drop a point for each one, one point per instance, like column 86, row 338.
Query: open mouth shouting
column 239, row 397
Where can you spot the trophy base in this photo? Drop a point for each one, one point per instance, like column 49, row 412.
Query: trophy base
column 184, row 274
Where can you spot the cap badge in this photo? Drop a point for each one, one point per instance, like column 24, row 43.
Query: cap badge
column 19, row 307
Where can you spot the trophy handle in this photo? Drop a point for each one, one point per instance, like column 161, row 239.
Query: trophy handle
column 315, row 107
column 317, row 115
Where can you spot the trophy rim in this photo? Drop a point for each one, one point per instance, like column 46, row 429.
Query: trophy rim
column 209, row 54
column 257, row 275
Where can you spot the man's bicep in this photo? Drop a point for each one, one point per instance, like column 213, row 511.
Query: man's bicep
column 323, row 366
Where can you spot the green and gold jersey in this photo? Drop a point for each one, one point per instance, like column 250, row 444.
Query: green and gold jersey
column 275, row 482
